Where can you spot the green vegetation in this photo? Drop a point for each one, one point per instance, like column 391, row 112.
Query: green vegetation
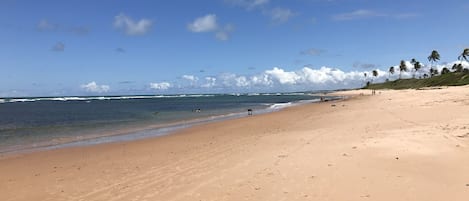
column 455, row 76
column 448, row 79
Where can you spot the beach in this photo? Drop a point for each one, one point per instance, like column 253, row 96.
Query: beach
column 395, row 145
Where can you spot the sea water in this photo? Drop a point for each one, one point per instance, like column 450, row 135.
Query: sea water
column 50, row 122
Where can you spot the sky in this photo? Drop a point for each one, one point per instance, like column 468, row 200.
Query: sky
column 123, row 47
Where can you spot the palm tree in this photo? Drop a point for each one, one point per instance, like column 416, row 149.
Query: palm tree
column 391, row 71
column 417, row 67
column 457, row 68
column 365, row 75
column 434, row 57
column 460, row 68
column 433, row 72
column 464, row 55
column 444, row 71
column 454, row 67
column 375, row 74
column 402, row 67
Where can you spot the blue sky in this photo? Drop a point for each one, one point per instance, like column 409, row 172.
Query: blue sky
column 51, row 48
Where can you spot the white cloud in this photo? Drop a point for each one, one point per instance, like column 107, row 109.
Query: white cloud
column 249, row 4
column 131, row 27
column 306, row 78
column 209, row 82
column 95, row 88
column 282, row 76
column 280, row 15
column 465, row 64
column 363, row 14
column 206, row 23
column 160, row 86
column 357, row 14
column 261, row 80
column 242, row 81
column 58, row 47
column 278, row 79
column 190, row 77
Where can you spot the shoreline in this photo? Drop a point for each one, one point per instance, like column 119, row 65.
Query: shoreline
column 389, row 146
column 137, row 132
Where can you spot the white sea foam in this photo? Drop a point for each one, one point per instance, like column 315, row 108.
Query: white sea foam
column 69, row 98
column 278, row 106
column 90, row 98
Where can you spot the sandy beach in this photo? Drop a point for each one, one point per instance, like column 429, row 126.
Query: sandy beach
column 396, row 145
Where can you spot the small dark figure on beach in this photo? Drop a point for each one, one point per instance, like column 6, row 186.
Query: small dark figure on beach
column 249, row 111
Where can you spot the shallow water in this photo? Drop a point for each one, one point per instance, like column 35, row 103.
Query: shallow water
column 31, row 123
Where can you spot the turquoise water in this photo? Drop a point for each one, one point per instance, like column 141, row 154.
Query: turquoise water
column 32, row 123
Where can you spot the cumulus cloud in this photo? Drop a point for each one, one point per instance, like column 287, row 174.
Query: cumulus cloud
column 160, row 85
column 132, row 27
column 206, row 23
column 278, row 79
column 282, row 76
column 190, row 77
column 58, row 47
column 95, row 88
column 313, row 52
column 209, row 82
column 280, row 15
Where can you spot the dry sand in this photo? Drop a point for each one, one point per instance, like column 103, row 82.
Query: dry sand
column 396, row 145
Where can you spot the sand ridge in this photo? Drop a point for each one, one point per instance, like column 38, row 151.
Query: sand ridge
column 396, row 145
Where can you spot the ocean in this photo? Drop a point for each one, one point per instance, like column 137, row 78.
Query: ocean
column 52, row 122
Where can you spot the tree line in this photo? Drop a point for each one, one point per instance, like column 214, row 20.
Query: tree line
column 433, row 58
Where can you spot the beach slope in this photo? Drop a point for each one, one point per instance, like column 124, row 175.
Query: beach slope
column 395, row 145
